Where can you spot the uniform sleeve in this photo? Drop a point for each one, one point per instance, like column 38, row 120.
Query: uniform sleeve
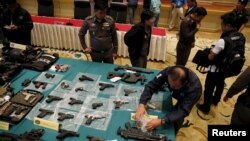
column 82, row 34
column 240, row 83
column 28, row 23
column 153, row 86
column 114, row 38
column 183, row 108
column 219, row 46
column 184, row 29
column 246, row 19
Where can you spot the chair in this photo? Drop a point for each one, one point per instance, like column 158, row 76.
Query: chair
column 45, row 8
column 82, row 9
column 118, row 11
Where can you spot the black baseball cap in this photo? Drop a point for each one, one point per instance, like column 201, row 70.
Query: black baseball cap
column 244, row 1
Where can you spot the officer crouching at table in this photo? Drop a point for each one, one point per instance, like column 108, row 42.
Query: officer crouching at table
column 184, row 86
column 103, row 37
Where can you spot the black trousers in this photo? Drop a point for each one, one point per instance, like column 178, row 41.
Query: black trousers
column 182, row 53
column 214, row 84
column 106, row 57
column 139, row 62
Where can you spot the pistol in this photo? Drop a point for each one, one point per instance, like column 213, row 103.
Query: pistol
column 84, row 77
column 65, row 133
column 96, row 105
column 53, row 98
column 48, row 76
column 63, row 116
column 119, row 103
column 75, row 101
column 91, row 118
column 103, row 86
column 44, row 112
column 128, row 92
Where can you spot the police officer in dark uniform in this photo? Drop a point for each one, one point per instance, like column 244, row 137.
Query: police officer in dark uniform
column 17, row 23
column 184, row 86
column 242, row 14
column 103, row 36
column 192, row 5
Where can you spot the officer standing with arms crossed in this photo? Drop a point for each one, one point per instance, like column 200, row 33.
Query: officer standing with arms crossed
column 103, row 37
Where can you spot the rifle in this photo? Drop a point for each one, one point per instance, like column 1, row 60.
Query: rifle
column 126, row 67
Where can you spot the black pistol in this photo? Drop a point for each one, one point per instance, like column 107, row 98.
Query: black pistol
column 103, row 86
column 44, row 112
column 96, row 105
column 119, row 103
column 48, row 75
column 84, row 77
column 53, row 98
column 128, row 92
column 65, row 133
column 92, row 138
column 63, row 116
column 74, row 101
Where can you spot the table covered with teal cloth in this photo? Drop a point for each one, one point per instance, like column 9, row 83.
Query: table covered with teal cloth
column 118, row 119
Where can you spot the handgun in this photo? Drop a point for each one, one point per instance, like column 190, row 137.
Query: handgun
column 65, row 133
column 53, row 98
column 38, row 84
column 44, row 112
column 114, row 74
column 84, row 77
column 119, row 103
column 26, row 82
column 80, row 89
column 103, row 86
column 64, row 85
column 92, row 138
column 27, row 96
column 19, row 109
column 128, row 92
column 48, row 76
column 91, row 118
column 75, row 101
column 96, row 105
column 63, row 116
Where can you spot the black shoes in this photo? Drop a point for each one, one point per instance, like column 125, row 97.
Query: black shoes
column 203, row 108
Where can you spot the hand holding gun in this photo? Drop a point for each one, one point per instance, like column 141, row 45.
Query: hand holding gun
column 53, row 98
column 63, row 116
column 96, row 105
column 84, row 77
column 103, row 86
column 44, row 112
column 65, row 133
column 119, row 103
column 75, row 101
column 91, row 118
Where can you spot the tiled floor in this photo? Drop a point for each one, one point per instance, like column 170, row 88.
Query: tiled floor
column 218, row 115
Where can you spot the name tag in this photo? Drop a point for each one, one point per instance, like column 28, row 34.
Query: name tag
column 46, row 123
column 4, row 125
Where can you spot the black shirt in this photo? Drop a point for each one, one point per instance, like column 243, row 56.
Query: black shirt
column 186, row 96
column 22, row 19
column 190, row 10
column 188, row 29
column 242, row 17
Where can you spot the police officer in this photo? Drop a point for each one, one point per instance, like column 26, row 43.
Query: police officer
column 103, row 37
column 17, row 23
column 184, row 86
column 242, row 14
column 214, row 83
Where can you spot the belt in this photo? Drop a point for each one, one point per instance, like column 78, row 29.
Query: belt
column 102, row 51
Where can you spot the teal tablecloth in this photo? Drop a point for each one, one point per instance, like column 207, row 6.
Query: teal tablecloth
column 119, row 118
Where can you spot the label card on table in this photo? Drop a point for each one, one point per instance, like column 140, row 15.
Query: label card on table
column 46, row 123
column 4, row 126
